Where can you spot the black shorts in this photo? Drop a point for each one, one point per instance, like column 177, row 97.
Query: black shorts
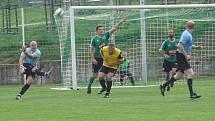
column 182, row 62
column 28, row 70
column 167, row 65
column 107, row 70
column 97, row 67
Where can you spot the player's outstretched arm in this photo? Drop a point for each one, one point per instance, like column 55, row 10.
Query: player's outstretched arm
column 115, row 27
column 197, row 46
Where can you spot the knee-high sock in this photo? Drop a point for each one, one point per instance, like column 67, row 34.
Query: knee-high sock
column 109, row 85
column 171, row 80
column 24, row 89
column 90, row 82
column 167, row 76
column 131, row 78
column 190, row 87
column 102, row 82
column 41, row 73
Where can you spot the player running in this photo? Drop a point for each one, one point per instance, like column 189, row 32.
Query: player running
column 112, row 59
column 29, row 65
column 183, row 56
column 168, row 49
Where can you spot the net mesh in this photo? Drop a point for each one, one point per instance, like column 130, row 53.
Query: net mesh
column 157, row 23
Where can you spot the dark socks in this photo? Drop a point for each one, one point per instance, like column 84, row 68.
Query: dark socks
column 102, row 82
column 167, row 76
column 121, row 81
column 90, row 82
column 189, row 83
column 171, row 80
column 109, row 85
column 41, row 73
column 132, row 80
column 24, row 89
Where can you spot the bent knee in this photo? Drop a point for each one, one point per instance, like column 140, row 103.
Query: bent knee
column 190, row 75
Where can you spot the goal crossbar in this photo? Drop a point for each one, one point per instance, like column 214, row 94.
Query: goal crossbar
column 146, row 6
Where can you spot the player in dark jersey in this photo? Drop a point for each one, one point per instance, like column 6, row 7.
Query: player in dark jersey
column 168, row 49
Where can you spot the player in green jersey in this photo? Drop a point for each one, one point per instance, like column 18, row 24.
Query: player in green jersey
column 124, row 69
column 101, row 39
column 168, row 49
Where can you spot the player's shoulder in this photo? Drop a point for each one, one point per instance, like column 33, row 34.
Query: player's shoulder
column 118, row 50
column 38, row 51
column 105, row 48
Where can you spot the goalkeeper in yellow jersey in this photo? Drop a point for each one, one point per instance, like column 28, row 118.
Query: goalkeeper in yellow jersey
column 112, row 59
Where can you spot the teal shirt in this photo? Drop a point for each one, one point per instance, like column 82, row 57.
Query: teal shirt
column 125, row 65
column 96, row 42
column 170, row 48
column 34, row 62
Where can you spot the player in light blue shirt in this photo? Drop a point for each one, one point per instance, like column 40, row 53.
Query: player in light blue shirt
column 183, row 57
column 33, row 61
column 29, row 65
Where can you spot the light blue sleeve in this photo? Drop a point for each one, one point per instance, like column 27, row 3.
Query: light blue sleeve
column 38, row 54
column 184, row 39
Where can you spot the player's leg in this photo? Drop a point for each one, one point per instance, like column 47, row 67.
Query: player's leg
column 167, row 68
column 91, row 80
column 96, row 69
column 178, row 75
column 101, row 76
column 189, row 72
column 109, row 83
column 29, row 79
column 121, row 77
column 25, row 87
column 172, row 73
column 129, row 74
column 42, row 73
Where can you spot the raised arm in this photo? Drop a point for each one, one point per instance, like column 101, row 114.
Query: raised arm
column 115, row 27
column 197, row 46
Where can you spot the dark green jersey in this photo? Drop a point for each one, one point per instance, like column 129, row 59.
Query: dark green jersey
column 96, row 42
column 124, row 66
column 170, row 48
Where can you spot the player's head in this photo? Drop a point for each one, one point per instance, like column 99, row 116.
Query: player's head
column 190, row 25
column 124, row 54
column 99, row 30
column 33, row 45
column 111, row 48
column 171, row 33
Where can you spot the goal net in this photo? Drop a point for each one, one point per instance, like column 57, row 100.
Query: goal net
column 141, row 36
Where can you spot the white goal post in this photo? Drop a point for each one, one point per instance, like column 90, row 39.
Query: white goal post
column 143, row 43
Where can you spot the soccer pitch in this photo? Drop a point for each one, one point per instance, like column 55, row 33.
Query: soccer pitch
column 126, row 104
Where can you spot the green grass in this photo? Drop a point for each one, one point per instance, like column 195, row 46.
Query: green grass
column 126, row 104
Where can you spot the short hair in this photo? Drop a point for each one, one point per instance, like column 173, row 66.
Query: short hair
column 190, row 24
column 97, row 27
column 170, row 30
column 33, row 42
